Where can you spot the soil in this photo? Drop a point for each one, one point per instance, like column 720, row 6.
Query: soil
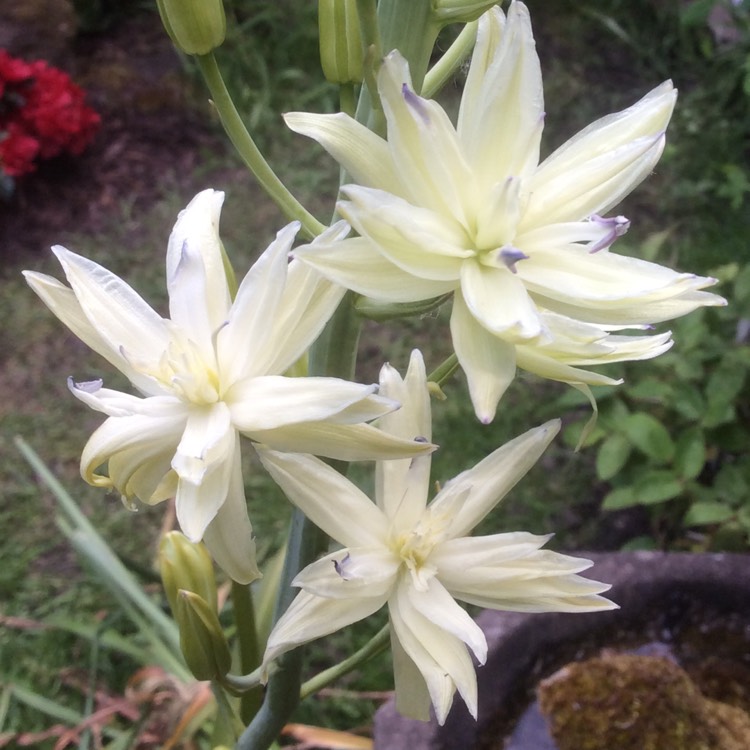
column 153, row 124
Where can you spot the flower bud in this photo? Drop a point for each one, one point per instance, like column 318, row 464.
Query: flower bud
column 341, row 54
column 186, row 565
column 202, row 640
column 459, row 11
column 195, row 26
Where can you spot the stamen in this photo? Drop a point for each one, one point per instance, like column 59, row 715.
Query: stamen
column 415, row 103
column 341, row 567
column 510, row 256
column 87, row 386
column 616, row 226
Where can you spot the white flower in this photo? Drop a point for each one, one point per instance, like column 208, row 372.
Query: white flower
column 524, row 246
column 418, row 559
column 209, row 372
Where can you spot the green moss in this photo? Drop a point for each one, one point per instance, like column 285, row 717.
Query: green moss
column 632, row 702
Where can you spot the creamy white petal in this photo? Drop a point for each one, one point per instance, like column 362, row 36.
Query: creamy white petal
column 401, row 487
column 118, row 404
column 441, row 657
column 545, row 593
column 328, row 499
column 204, row 462
column 208, row 438
column 245, row 342
column 489, row 362
column 418, row 240
column 271, row 401
column 490, row 480
column 363, row 154
column 498, row 299
column 190, row 300
column 114, row 309
column 146, row 439
column 197, row 233
column 152, row 481
column 498, row 214
column 424, row 146
column 310, row 617
column 510, row 550
column 502, row 107
column 308, row 302
column 351, row 572
column 62, row 301
column 593, row 186
column 439, row 607
column 229, row 536
column 646, row 118
column 357, row 264
column 637, row 314
column 535, row 360
column 347, row 442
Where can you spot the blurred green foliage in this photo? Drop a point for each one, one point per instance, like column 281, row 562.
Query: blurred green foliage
column 675, row 437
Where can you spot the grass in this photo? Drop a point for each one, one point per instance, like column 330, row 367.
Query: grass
column 41, row 576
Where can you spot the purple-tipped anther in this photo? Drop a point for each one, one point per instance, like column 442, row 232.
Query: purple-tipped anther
column 510, row 256
column 615, row 227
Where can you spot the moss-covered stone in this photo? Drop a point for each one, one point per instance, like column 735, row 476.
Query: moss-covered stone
column 632, row 702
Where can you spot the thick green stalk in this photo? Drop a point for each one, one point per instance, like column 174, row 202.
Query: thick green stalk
column 251, row 155
column 282, row 693
column 244, row 616
column 408, row 26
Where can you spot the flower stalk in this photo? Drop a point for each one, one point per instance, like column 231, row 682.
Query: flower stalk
column 249, row 151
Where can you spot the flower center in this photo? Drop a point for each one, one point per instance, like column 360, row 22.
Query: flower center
column 414, row 548
column 183, row 370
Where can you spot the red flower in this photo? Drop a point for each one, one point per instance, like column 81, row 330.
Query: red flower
column 17, row 151
column 12, row 70
column 56, row 113
column 42, row 114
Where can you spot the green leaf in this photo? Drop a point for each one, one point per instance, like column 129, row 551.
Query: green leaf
column 688, row 401
column 612, row 456
column 651, row 390
column 656, row 486
column 725, row 383
column 742, row 287
column 702, row 513
column 650, row 436
column 690, row 453
column 622, row 497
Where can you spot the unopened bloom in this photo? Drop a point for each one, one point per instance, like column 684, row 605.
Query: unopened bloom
column 418, row 559
column 523, row 245
column 207, row 374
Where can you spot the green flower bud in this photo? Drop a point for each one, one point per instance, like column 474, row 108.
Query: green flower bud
column 186, row 565
column 460, row 11
column 341, row 53
column 202, row 640
column 195, row 26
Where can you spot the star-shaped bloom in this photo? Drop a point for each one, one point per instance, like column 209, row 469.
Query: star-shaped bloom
column 210, row 372
column 523, row 245
column 417, row 558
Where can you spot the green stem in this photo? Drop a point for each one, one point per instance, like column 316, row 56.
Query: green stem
column 444, row 370
column 333, row 354
column 405, row 25
column 244, row 616
column 446, row 66
column 249, row 152
column 347, row 98
column 377, row 644
column 282, row 693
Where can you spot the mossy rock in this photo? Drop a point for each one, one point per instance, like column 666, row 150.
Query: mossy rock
column 632, row 702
